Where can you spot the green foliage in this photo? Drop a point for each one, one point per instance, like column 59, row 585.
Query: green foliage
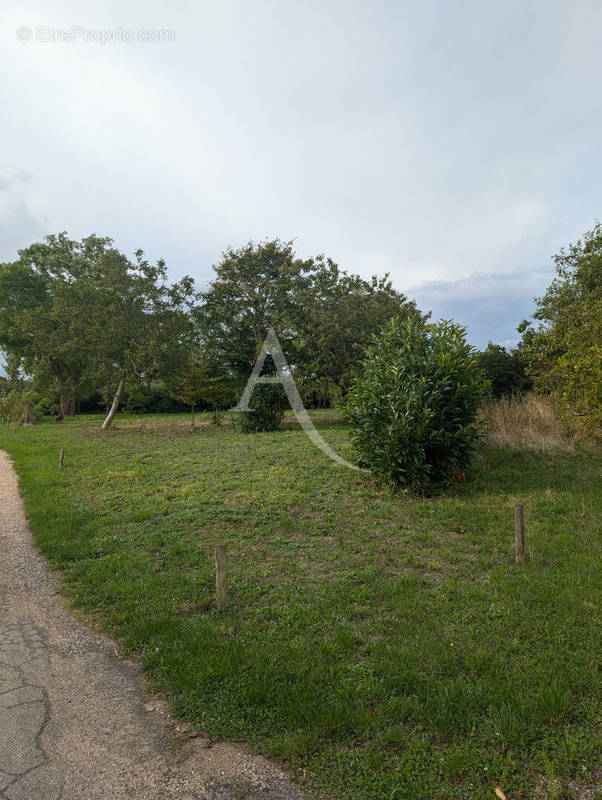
column 323, row 317
column 201, row 380
column 505, row 370
column 563, row 346
column 74, row 313
column 255, row 288
column 83, row 319
column 44, row 320
column 143, row 319
column 153, row 399
column 20, row 407
column 267, row 409
column 413, row 409
column 335, row 318
column 318, row 392
column 21, row 289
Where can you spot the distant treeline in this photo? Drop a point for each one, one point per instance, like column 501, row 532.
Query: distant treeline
column 85, row 328
column 92, row 329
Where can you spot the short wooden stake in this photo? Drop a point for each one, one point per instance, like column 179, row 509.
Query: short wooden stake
column 61, row 459
column 519, row 529
column 220, row 576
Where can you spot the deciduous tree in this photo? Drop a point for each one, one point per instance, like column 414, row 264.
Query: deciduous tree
column 563, row 343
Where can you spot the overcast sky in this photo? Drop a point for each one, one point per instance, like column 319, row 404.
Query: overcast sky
column 455, row 144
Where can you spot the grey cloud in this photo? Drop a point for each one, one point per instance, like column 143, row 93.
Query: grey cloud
column 490, row 306
column 441, row 141
column 22, row 217
column 10, row 179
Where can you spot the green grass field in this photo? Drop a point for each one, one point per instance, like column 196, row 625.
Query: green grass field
column 385, row 647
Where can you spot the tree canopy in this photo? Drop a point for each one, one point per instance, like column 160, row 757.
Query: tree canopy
column 79, row 312
column 81, row 317
column 323, row 317
column 563, row 342
column 505, row 369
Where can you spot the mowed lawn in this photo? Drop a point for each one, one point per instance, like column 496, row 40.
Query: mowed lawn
column 385, row 647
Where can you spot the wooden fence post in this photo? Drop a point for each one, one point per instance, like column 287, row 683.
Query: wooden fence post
column 519, row 530
column 220, row 576
column 61, row 459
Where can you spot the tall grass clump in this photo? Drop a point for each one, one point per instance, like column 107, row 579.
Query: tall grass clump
column 19, row 407
column 528, row 420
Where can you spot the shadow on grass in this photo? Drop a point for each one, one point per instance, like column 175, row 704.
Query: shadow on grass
column 516, row 471
column 320, row 424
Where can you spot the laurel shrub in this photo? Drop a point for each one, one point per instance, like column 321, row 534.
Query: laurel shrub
column 413, row 409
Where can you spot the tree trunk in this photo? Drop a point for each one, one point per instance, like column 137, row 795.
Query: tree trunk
column 63, row 408
column 192, row 412
column 113, row 410
column 66, row 404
